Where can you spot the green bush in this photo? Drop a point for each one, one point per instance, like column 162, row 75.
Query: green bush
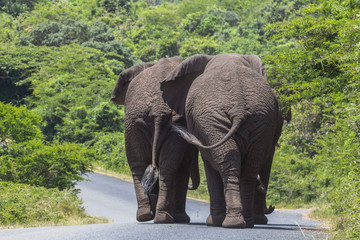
column 16, row 7
column 18, row 124
column 338, row 159
column 26, row 158
column 111, row 148
column 24, row 204
column 54, row 165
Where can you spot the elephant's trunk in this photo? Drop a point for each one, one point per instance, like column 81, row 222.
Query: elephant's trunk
column 151, row 173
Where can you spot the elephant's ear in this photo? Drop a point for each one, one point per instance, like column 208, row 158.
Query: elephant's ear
column 176, row 85
column 122, row 83
column 256, row 64
column 194, row 64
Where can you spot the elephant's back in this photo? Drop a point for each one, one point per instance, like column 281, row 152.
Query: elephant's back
column 231, row 87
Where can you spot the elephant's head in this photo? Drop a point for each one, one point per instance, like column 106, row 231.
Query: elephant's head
column 122, row 83
column 176, row 86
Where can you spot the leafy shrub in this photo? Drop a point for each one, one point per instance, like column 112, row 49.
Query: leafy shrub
column 111, row 148
column 52, row 166
column 24, row 204
column 199, row 45
column 8, row 26
column 108, row 117
column 162, row 15
column 18, row 124
column 26, row 158
column 339, row 166
column 66, row 31
column 152, row 42
column 114, row 5
column 16, row 7
column 57, row 33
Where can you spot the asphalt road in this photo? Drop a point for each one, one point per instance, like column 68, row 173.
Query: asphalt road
column 113, row 198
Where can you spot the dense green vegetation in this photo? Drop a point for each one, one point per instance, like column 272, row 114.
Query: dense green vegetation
column 27, row 158
column 49, row 167
column 31, row 206
column 61, row 58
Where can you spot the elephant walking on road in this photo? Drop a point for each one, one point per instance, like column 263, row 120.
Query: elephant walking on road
column 150, row 143
column 233, row 117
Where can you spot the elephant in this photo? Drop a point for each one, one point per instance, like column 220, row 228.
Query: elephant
column 233, row 118
column 262, row 190
column 150, row 144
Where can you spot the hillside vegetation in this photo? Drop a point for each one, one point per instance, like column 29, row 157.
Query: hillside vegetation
column 59, row 61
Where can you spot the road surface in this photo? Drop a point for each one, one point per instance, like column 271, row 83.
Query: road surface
column 113, row 198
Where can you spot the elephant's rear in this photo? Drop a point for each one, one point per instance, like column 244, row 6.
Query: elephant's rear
column 233, row 94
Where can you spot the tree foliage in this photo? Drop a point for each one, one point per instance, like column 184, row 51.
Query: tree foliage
column 26, row 158
column 18, row 124
column 319, row 77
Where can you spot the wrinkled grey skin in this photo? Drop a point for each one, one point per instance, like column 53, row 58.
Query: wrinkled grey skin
column 261, row 191
column 150, row 143
column 233, row 117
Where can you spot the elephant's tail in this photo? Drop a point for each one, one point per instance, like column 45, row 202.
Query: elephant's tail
column 190, row 138
column 149, row 178
column 151, row 173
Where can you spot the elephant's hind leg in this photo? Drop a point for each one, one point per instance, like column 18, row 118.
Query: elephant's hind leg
column 223, row 176
column 181, row 185
column 165, row 200
column 260, row 207
column 144, row 212
column 174, row 178
column 139, row 156
column 231, row 178
column 217, row 198
column 257, row 163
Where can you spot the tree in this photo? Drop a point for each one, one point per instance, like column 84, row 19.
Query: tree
column 16, row 7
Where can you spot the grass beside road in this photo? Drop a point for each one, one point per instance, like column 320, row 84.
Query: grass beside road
column 22, row 205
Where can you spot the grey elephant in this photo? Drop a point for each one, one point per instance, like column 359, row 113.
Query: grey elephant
column 150, row 144
column 233, row 117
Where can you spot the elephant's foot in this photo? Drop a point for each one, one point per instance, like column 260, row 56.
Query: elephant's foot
column 163, row 217
column 269, row 210
column 144, row 214
column 249, row 222
column 260, row 219
column 181, row 217
column 215, row 220
column 234, row 221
